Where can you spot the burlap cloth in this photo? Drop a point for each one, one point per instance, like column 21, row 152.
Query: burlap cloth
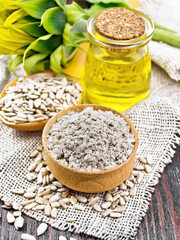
column 157, row 120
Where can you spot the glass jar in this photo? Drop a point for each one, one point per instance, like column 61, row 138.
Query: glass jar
column 117, row 72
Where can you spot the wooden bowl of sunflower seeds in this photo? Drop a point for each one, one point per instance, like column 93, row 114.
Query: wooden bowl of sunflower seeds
column 27, row 103
column 90, row 148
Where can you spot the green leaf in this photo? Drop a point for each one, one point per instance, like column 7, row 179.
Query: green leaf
column 31, row 61
column 78, row 33
column 74, row 12
column 53, row 21
column 41, row 66
column 102, row 5
column 33, row 29
column 45, row 44
column 61, row 4
column 56, row 60
column 36, row 8
column 66, row 36
column 123, row 3
column 14, row 62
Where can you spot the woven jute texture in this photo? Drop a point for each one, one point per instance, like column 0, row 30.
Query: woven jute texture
column 165, row 13
column 158, row 124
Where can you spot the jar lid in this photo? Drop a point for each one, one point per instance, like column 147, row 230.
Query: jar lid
column 120, row 24
column 120, row 28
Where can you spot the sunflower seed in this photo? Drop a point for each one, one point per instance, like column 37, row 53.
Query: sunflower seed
column 139, row 177
column 27, row 202
column 39, row 178
column 119, row 209
column 19, row 222
column 38, row 158
column 34, row 153
column 6, row 207
column 15, row 206
column 32, row 167
column 10, row 218
column 130, row 178
column 97, row 208
column 142, row 160
column 26, row 236
column 54, row 198
column 115, row 214
column 123, row 186
column 139, row 167
column 93, row 200
column 47, row 210
column 81, row 198
column 62, row 238
column 115, row 203
column 105, row 205
column 29, row 195
column 17, row 213
column 73, row 200
column 54, row 212
column 108, row 197
column 32, row 189
column 41, row 229
column 30, row 206
column 70, row 220
column 44, row 193
column 113, row 190
column 132, row 192
column 135, row 173
column 147, row 168
column 55, row 205
column 38, row 168
column 18, row 191
column 48, row 196
column 106, row 212
column 63, row 205
column 65, row 194
column 38, row 208
column 126, row 193
column 31, row 177
column 122, row 201
column 66, row 200
column 129, row 184
column 115, row 197
column 149, row 159
column 39, row 147
column 79, row 207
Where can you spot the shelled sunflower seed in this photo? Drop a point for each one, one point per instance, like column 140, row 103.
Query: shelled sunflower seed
column 51, row 196
column 38, row 99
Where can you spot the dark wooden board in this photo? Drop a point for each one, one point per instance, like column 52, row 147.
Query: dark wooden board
column 162, row 221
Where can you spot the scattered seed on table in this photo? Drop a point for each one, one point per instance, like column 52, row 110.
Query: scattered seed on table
column 10, row 218
column 26, row 236
column 19, row 222
column 41, row 229
column 62, row 238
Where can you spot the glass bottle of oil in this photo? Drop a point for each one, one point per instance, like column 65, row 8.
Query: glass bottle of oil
column 117, row 72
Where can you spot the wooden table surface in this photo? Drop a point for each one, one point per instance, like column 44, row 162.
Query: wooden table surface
column 162, row 221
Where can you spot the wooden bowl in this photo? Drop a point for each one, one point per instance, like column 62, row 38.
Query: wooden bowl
column 84, row 181
column 34, row 126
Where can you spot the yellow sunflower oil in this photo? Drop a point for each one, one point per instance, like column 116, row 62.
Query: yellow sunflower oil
column 117, row 72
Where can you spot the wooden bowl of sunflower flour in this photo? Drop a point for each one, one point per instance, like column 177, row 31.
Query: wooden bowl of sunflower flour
column 95, row 160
